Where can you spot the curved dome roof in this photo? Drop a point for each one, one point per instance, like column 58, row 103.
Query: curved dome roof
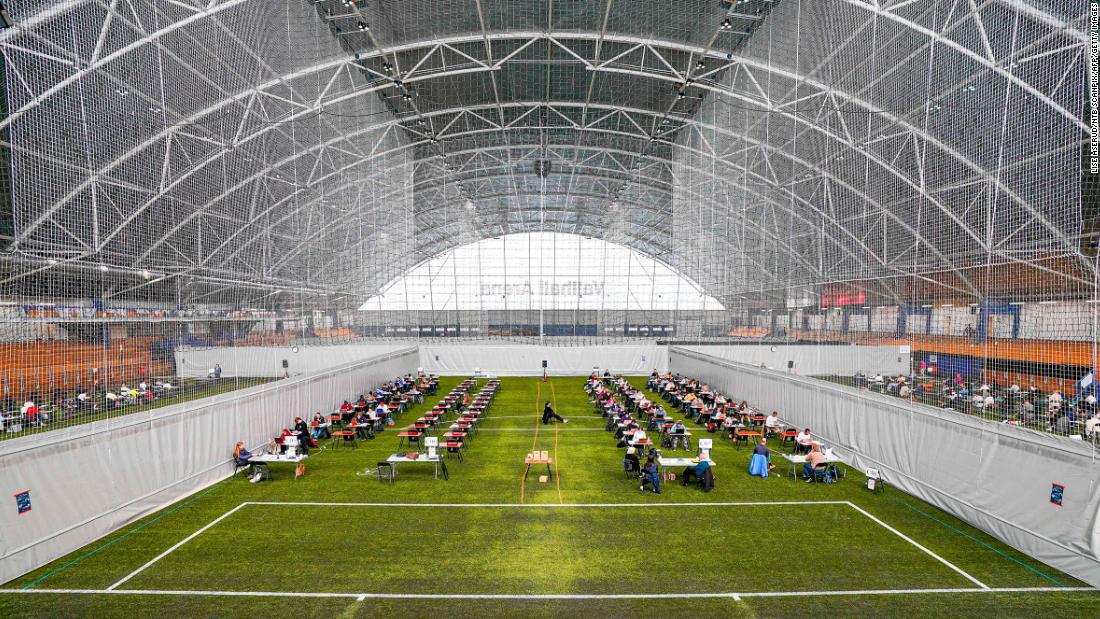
column 756, row 146
column 541, row 270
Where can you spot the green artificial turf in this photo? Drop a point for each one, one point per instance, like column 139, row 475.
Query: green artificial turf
column 649, row 548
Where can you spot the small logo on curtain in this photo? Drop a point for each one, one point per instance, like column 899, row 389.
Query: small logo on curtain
column 1056, row 491
column 23, row 501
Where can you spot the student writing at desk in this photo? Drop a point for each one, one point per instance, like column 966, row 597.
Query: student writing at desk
column 813, row 459
column 803, row 442
column 679, row 435
column 242, row 457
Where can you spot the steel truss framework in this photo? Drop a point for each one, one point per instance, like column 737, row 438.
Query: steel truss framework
column 754, row 154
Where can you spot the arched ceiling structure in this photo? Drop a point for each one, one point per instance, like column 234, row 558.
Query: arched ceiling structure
column 759, row 146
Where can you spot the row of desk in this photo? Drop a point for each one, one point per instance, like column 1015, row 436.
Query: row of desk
column 458, row 435
column 642, row 443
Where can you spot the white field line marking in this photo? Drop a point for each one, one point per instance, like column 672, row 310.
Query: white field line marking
column 322, row 504
column 541, row 505
column 913, row 542
column 548, row 596
column 529, row 505
column 181, row 543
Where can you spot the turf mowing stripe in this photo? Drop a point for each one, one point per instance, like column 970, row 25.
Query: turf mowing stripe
column 534, row 442
column 557, row 454
column 124, row 535
column 536, row 430
column 989, row 546
column 177, row 545
column 597, row 505
column 545, row 596
column 913, row 542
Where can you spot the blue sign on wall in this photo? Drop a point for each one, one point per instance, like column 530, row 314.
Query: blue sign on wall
column 950, row 365
column 1056, row 491
column 23, row 501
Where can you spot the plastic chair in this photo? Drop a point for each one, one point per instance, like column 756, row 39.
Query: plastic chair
column 821, row 473
column 239, row 465
column 385, row 471
column 629, row 468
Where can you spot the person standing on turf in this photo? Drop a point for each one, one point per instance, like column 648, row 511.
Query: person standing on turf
column 548, row 414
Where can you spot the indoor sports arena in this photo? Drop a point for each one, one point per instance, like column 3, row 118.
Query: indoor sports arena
column 549, row 308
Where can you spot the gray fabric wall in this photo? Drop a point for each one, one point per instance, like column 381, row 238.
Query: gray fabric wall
column 88, row 480
column 268, row 360
column 843, row 360
column 510, row 359
column 995, row 476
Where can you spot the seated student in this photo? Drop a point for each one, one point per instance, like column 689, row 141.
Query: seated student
column 242, row 456
column 280, row 441
column 320, row 430
column 29, row 410
column 813, row 459
column 651, row 475
column 1091, row 424
column 549, row 413
column 679, row 435
column 631, row 463
column 803, row 442
column 772, row 425
column 346, row 411
column 628, row 425
column 696, row 471
column 301, row 430
column 760, row 463
column 363, row 426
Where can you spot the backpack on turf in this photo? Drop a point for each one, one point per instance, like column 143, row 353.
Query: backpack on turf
column 708, row 480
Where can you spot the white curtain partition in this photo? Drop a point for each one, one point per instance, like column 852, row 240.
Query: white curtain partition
column 89, row 480
column 994, row 476
column 267, row 361
column 502, row 359
column 839, row 360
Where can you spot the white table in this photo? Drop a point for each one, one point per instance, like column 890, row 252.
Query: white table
column 437, row 460
column 678, row 462
column 795, row 460
column 272, row 458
